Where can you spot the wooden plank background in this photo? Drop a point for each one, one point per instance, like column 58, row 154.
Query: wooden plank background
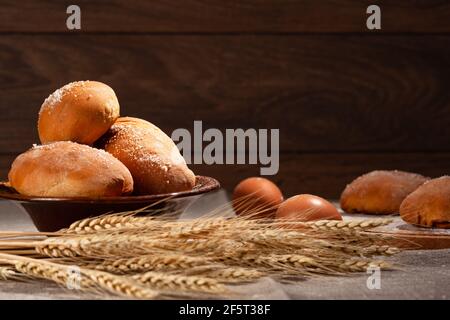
column 346, row 100
column 213, row 16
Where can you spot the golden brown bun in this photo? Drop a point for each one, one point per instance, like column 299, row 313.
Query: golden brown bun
column 68, row 169
column 379, row 192
column 80, row 111
column 151, row 156
column 429, row 205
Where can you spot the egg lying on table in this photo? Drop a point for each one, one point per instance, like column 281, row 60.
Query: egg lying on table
column 256, row 197
column 307, row 207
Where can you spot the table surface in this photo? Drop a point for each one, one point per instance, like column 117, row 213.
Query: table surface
column 421, row 275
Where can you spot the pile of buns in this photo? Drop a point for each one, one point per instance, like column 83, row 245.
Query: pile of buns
column 420, row 200
column 88, row 150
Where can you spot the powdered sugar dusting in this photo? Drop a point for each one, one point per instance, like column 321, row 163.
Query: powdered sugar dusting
column 102, row 156
column 70, row 169
column 151, row 156
column 136, row 149
column 163, row 151
column 56, row 97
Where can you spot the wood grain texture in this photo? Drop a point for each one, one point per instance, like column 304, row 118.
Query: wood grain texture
column 218, row 16
column 325, row 93
column 327, row 174
column 323, row 174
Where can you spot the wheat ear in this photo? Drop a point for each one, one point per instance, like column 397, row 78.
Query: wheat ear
column 7, row 273
column 235, row 274
column 380, row 250
column 163, row 281
column 228, row 274
column 149, row 263
column 204, row 226
column 348, row 225
column 109, row 222
column 88, row 280
column 295, row 240
column 355, row 265
column 271, row 262
column 124, row 245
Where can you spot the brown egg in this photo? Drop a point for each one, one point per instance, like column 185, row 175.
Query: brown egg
column 257, row 194
column 307, row 207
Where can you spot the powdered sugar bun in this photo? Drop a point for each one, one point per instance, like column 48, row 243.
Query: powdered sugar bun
column 80, row 111
column 151, row 156
column 68, row 169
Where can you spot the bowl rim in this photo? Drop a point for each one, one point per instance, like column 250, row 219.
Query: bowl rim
column 203, row 184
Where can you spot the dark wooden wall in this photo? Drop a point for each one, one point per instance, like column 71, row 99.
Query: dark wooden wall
column 346, row 100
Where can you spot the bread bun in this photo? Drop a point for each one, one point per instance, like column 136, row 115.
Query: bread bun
column 428, row 205
column 68, row 169
column 379, row 192
column 151, row 156
column 80, row 111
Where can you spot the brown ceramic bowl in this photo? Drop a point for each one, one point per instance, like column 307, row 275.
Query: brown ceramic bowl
column 52, row 214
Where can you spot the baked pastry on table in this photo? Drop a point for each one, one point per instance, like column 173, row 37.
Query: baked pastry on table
column 80, row 111
column 69, row 169
column 151, row 156
column 379, row 192
column 429, row 205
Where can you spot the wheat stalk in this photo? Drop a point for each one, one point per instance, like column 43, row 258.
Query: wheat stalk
column 166, row 229
column 380, row 250
column 356, row 265
column 166, row 262
column 235, row 274
column 280, row 239
column 7, row 273
column 301, row 264
column 129, row 244
column 269, row 262
column 120, row 220
column 206, row 226
column 348, row 225
column 103, row 223
column 188, row 255
column 228, row 274
column 173, row 229
column 163, row 281
column 288, row 260
column 123, row 245
column 88, row 279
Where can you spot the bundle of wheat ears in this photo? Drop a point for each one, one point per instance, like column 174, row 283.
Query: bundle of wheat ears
column 142, row 256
